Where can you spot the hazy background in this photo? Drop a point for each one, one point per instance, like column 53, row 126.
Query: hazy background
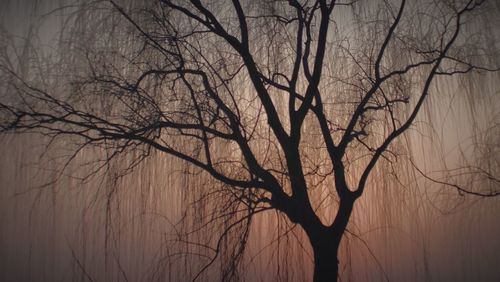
column 103, row 229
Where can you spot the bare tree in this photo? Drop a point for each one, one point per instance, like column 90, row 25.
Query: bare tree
column 276, row 100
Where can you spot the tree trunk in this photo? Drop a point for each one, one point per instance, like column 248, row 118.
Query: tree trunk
column 325, row 259
column 325, row 243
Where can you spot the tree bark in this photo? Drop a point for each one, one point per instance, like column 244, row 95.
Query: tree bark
column 325, row 242
column 325, row 260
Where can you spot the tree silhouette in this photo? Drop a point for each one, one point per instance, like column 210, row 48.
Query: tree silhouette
column 276, row 100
